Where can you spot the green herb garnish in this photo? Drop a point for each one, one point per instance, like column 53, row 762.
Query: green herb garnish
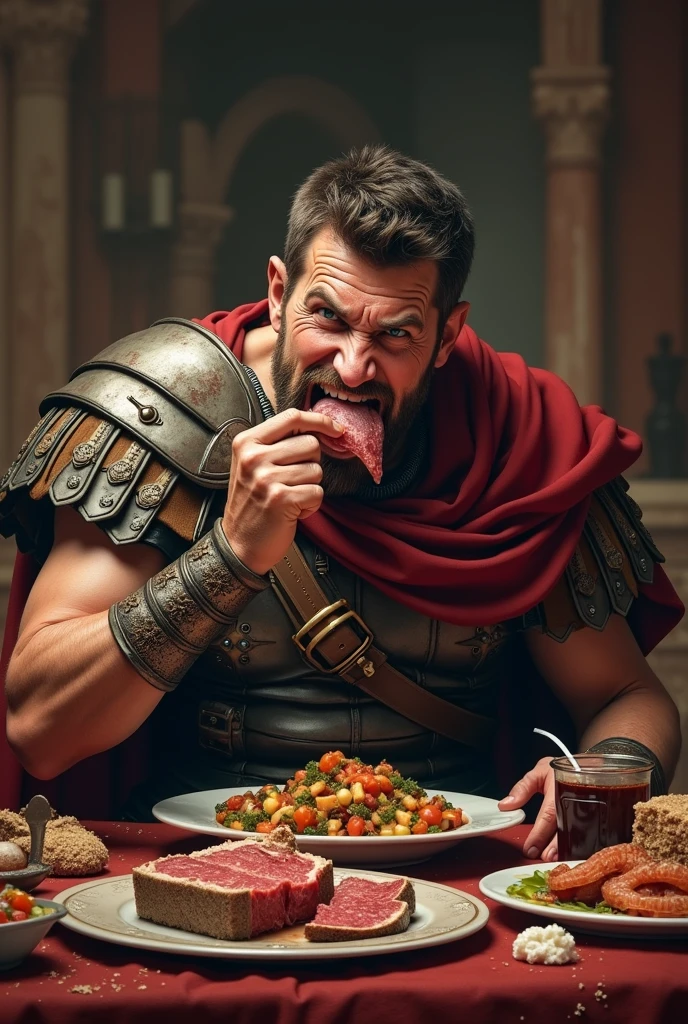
column 534, row 889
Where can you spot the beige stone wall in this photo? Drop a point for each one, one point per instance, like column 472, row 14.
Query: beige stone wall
column 665, row 513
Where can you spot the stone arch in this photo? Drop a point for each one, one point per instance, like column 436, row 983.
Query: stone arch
column 208, row 163
column 326, row 104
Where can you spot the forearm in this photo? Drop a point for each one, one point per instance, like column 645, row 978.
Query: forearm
column 72, row 693
column 86, row 682
column 645, row 713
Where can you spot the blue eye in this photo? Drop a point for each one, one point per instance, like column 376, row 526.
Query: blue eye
column 397, row 332
column 328, row 314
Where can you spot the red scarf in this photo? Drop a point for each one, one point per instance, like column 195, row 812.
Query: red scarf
column 486, row 533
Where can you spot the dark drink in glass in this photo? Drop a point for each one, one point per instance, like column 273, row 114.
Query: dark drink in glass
column 595, row 806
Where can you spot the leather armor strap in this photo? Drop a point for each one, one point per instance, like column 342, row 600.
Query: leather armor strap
column 623, row 745
column 336, row 641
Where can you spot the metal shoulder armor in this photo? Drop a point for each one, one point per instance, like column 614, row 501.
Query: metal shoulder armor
column 142, row 430
column 614, row 556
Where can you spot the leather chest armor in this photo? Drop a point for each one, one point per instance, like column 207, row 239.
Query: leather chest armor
column 139, row 442
column 252, row 708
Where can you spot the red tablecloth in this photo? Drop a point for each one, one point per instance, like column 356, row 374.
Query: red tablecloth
column 475, row 980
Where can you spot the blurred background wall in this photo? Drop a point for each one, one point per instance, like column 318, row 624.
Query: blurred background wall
column 149, row 150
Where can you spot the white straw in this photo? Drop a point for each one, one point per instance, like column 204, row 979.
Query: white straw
column 562, row 746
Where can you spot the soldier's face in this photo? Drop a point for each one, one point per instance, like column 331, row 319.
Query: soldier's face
column 360, row 331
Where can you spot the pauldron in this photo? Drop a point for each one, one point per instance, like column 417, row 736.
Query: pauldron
column 148, row 421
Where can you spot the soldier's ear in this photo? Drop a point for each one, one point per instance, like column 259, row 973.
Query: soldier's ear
column 277, row 285
column 452, row 329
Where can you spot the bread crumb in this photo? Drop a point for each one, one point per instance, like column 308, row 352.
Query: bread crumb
column 82, row 990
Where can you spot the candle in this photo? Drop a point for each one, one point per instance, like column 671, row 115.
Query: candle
column 161, row 198
column 112, row 200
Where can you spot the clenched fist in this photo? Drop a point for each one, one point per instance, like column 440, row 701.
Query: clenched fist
column 274, row 482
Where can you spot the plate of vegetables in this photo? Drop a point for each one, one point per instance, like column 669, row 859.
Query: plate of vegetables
column 24, row 920
column 344, row 809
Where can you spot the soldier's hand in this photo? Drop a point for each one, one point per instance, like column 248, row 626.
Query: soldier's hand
column 274, row 482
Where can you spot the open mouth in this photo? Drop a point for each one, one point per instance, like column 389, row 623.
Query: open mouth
column 318, row 391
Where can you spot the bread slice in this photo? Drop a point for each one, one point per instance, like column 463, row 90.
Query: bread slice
column 235, row 890
column 364, row 909
column 661, row 827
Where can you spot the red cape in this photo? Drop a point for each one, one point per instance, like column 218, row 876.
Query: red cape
column 483, row 536
column 489, row 529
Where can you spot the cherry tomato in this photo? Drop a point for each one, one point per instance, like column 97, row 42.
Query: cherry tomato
column 264, row 826
column 371, row 785
column 370, row 801
column 352, row 768
column 303, row 817
column 385, row 785
column 233, row 803
column 355, row 825
column 420, row 828
column 454, row 817
column 430, row 814
column 19, row 915
column 329, row 761
column 22, row 901
column 299, row 776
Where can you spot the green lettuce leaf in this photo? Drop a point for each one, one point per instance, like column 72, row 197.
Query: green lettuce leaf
column 534, row 889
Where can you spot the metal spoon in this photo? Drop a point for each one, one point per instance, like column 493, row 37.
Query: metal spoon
column 37, row 815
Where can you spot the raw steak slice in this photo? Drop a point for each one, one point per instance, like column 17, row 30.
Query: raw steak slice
column 363, row 909
column 235, row 890
column 364, row 435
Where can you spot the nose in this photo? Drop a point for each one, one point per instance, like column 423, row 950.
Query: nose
column 353, row 360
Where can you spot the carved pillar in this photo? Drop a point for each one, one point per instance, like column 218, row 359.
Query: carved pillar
column 571, row 98
column 5, row 452
column 6, row 547
column 41, row 37
column 191, row 279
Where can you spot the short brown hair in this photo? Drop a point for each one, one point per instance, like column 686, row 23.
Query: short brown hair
column 391, row 210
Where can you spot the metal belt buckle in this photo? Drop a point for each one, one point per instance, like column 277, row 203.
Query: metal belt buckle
column 215, row 725
column 310, row 651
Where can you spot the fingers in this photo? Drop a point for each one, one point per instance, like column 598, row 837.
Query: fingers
column 551, row 851
column 541, row 835
column 288, row 423
column 301, row 448
column 531, row 783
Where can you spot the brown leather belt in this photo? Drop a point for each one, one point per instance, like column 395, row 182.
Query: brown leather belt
column 336, row 641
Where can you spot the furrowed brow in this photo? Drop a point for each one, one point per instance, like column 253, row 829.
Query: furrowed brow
column 317, row 292
column 403, row 320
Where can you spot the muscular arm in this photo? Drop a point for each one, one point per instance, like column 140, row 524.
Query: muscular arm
column 609, row 689
column 70, row 690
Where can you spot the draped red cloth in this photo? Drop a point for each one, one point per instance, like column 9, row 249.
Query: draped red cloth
column 488, row 531
column 483, row 536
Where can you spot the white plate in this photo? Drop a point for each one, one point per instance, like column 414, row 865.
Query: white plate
column 196, row 813
column 105, row 909
column 496, row 884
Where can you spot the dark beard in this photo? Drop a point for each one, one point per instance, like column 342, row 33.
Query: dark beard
column 348, row 477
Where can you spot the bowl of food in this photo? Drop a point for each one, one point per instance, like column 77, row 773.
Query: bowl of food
column 346, row 810
column 24, row 921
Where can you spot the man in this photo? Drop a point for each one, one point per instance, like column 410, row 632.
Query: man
column 463, row 505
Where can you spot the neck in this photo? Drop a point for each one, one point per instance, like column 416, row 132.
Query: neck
column 259, row 344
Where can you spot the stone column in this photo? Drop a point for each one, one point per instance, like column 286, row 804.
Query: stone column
column 41, row 37
column 191, row 279
column 571, row 98
column 6, row 456
column 5, row 453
